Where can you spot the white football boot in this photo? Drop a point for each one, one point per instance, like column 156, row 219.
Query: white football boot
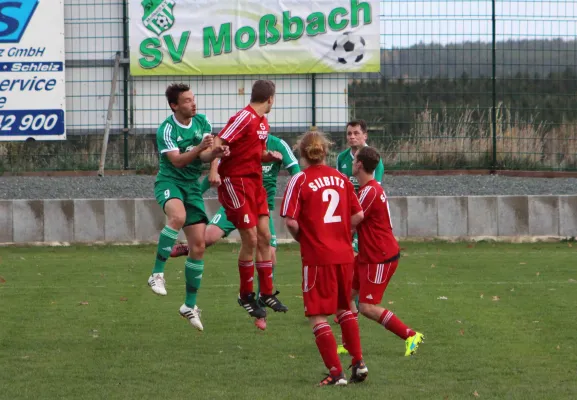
column 157, row 283
column 192, row 315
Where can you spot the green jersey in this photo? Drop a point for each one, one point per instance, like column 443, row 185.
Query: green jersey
column 270, row 170
column 345, row 166
column 172, row 135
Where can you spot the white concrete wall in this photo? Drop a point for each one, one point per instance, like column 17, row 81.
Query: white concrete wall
column 140, row 220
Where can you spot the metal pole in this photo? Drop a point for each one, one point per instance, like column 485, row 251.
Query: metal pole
column 314, row 100
column 109, row 115
column 494, row 89
column 126, row 73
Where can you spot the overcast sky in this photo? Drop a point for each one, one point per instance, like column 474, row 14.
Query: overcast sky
column 406, row 22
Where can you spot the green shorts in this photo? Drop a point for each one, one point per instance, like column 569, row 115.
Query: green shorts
column 356, row 242
column 190, row 195
column 219, row 219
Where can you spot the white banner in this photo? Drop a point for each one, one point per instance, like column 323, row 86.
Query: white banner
column 246, row 37
column 32, row 91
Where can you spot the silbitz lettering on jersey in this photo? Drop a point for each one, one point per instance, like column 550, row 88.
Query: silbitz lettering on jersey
column 226, row 38
column 326, row 181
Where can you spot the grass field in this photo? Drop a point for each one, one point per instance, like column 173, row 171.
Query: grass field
column 80, row 323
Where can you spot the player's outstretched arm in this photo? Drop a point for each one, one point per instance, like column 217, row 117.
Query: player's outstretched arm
column 182, row 160
column 219, row 149
column 271, row 156
column 293, row 227
column 289, row 161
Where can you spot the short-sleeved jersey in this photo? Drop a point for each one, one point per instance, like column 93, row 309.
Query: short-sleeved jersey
column 345, row 165
column 270, row 170
column 172, row 136
column 376, row 240
column 322, row 201
column 246, row 134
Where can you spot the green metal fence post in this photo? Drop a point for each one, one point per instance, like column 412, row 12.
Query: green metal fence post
column 126, row 72
column 494, row 88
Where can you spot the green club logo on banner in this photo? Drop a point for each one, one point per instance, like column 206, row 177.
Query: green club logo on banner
column 158, row 16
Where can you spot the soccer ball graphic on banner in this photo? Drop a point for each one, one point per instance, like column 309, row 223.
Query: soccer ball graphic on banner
column 349, row 48
column 162, row 21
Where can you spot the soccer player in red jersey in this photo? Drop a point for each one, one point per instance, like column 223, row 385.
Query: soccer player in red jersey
column 243, row 196
column 379, row 251
column 321, row 209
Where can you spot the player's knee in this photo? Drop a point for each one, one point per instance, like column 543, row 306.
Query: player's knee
column 212, row 235
column 197, row 249
column 317, row 319
column 176, row 221
column 367, row 309
column 250, row 239
column 264, row 239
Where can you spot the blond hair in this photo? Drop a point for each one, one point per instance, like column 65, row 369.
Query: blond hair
column 313, row 146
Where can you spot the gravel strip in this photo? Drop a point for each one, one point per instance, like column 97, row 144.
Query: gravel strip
column 142, row 186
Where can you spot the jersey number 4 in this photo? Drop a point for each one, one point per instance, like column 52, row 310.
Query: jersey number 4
column 331, row 196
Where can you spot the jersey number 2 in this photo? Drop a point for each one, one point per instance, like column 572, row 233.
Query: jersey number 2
column 332, row 196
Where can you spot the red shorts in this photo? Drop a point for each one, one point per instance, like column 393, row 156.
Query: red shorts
column 371, row 280
column 327, row 288
column 244, row 200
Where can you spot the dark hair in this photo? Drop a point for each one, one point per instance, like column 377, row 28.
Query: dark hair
column 173, row 92
column 359, row 122
column 262, row 91
column 369, row 158
column 313, row 146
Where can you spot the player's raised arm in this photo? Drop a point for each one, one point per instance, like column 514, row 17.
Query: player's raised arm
column 217, row 150
column 271, row 156
column 289, row 160
column 181, row 160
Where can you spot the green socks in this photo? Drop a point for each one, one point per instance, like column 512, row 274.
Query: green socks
column 193, row 270
column 166, row 240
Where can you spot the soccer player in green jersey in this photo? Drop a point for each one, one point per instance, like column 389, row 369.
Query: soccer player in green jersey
column 219, row 226
column 184, row 142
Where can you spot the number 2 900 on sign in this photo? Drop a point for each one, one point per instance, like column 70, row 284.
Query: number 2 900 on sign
column 33, row 122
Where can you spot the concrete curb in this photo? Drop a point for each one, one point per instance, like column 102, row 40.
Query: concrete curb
column 449, row 218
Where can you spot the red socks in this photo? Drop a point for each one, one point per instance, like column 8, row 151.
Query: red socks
column 395, row 325
column 328, row 348
column 264, row 270
column 351, row 337
column 246, row 272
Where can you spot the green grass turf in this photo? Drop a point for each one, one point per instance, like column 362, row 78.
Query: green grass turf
column 127, row 343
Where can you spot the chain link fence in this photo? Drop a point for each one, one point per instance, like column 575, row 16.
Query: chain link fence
column 464, row 84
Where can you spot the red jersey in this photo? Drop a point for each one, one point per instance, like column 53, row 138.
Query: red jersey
column 322, row 201
column 246, row 134
column 376, row 240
